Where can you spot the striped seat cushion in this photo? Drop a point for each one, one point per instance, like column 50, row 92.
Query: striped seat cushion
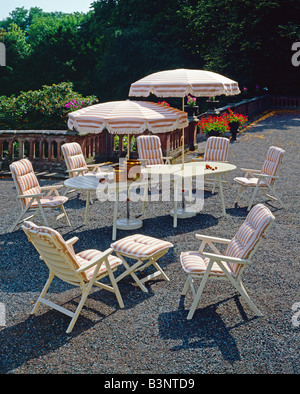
column 25, row 179
column 149, row 148
column 140, row 246
column 272, row 162
column 216, row 149
column 249, row 234
column 249, row 181
column 196, row 263
column 245, row 240
column 74, row 158
column 72, row 260
column 50, row 202
column 87, row 255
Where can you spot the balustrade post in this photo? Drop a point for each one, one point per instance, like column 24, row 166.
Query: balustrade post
column 21, row 148
column 31, row 149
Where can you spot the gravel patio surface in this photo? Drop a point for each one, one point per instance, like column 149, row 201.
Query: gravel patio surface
column 151, row 335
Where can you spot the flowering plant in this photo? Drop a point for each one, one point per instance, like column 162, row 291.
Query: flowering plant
column 164, row 103
column 214, row 123
column 191, row 100
column 74, row 105
column 233, row 117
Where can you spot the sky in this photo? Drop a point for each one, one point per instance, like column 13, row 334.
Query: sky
column 6, row 6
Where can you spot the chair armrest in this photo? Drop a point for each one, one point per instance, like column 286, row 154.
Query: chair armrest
column 72, row 240
column 38, row 195
column 77, row 170
column 249, row 170
column 227, row 259
column 198, row 159
column 95, row 261
column 51, row 187
column 213, row 239
column 266, row 176
column 94, row 166
column 167, row 159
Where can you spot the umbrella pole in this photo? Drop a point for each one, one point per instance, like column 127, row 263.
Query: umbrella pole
column 128, row 147
column 182, row 164
column 182, row 137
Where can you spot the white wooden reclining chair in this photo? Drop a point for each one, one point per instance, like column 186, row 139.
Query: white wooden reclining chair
column 216, row 150
column 31, row 194
column 263, row 179
column 230, row 265
column 76, row 163
column 150, row 154
column 75, row 160
column 149, row 150
column 83, row 269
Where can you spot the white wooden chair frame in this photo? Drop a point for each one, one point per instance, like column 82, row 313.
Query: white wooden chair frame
column 261, row 177
column 78, row 281
column 214, row 180
column 80, row 171
column 220, row 259
column 40, row 208
column 140, row 265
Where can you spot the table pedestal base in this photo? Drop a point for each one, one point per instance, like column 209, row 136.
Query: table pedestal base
column 129, row 224
column 183, row 213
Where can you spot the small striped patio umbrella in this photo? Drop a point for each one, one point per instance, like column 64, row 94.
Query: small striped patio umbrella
column 127, row 117
column 182, row 82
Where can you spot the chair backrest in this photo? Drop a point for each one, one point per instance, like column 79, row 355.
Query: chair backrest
column 249, row 235
column 216, row 149
column 25, row 179
column 272, row 162
column 74, row 158
column 58, row 256
column 149, row 148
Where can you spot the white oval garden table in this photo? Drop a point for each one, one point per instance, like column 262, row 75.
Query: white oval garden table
column 190, row 170
column 91, row 183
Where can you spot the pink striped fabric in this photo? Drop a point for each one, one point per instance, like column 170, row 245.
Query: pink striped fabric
column 272, row 162
column 249, row 181
column 140, row 246
column 216, row 149
column 195, row 262
column 181, row 82
column 74, row 158
column 25, row 179
column 127, row 117
column 76, row 260
column 270, row 167
column 149, row 148
column 87, row 255
column 249, row 234
column 247, row 237
column 50, row 202
column 26, row 183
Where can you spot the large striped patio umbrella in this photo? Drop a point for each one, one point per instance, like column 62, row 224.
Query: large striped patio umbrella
column 182, row 82
column 127, row 117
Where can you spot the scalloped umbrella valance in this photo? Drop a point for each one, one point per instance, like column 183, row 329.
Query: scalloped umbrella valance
column 181, row 82
column 127, row 117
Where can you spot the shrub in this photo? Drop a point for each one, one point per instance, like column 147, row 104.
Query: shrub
column 43, row 109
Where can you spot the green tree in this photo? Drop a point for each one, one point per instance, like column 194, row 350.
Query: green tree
column 247, row 40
